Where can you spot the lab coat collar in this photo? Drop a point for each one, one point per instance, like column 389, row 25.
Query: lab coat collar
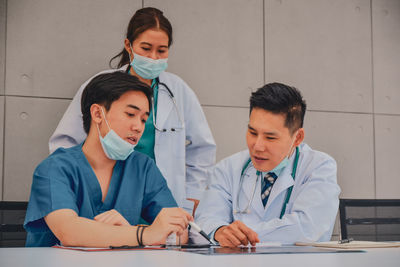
column 164, row 105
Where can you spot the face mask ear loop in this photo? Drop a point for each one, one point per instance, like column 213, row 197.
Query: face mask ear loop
column 290, row 149
column 98, row 130
column 102, row 110
column 130, row 60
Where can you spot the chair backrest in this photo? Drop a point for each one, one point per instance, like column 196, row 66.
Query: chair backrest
column 370, row 219
column 12, row 216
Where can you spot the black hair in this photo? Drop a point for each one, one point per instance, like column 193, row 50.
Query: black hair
column 279, row 98
column 144, row 19
column 106, row 88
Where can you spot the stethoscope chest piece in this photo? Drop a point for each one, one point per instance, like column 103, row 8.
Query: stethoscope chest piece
column 172, row 97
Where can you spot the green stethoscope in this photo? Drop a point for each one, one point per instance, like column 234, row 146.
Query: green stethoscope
column 289, row 191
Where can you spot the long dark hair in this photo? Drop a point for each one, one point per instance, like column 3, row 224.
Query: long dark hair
column 143, row 20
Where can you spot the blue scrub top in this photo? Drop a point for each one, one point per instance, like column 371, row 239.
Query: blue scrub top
column 65, row 180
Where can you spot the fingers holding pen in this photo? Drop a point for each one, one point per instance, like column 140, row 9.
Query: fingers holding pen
column 169, row 220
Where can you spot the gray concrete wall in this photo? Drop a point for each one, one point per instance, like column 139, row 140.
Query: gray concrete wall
column 344, row 55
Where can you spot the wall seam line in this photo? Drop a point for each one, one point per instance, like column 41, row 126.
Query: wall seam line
column 4, row 107
column 373, row 96
column 264, row 43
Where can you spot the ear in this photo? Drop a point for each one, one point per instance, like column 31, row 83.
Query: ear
column 127, row 46
column 96, row 113
column 299, row 137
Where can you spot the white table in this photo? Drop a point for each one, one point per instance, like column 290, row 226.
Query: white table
column 52, row 257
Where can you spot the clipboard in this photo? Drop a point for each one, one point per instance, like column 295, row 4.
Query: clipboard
column 216, row 250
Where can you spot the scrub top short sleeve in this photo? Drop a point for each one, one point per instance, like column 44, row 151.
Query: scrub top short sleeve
column 48, row 195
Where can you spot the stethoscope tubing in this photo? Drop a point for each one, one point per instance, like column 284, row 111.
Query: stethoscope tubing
column 288, row 194
column 172, row 96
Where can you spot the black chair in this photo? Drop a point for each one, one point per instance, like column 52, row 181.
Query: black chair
column 12, row 216
column 370, row 219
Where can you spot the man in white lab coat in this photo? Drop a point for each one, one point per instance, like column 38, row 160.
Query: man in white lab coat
column 279, row 189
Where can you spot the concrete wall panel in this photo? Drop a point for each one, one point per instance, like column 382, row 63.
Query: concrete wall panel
column 229, row 126
column 322, row 47
column 54, row 46
column 348, row 138
column 1, row 144
column 387, row 132
column 218, row 47
column 29, row 125
column 386, row 41
column 3, row 19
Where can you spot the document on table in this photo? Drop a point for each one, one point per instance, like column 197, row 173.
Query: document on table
column 351, row 245
column 111, row 248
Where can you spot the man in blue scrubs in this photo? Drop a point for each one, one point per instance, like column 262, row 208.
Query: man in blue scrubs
column 94, row 194
column 279, row 189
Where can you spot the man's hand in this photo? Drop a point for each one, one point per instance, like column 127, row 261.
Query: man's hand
column 235, row 234
column 112, row 217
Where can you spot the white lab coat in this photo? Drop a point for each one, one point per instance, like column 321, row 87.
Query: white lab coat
column 310, row 213
column 183, row 157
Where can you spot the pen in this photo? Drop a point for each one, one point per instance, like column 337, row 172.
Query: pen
column 198, row 229
column 125, row 247
column 343, row 241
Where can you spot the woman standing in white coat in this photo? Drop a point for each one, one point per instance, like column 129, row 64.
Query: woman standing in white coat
column 177, row 135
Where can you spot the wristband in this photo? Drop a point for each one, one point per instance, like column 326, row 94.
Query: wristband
column 141, row 235
column 137, row 234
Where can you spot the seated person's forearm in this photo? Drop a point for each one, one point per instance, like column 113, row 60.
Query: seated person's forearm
column 72, row 230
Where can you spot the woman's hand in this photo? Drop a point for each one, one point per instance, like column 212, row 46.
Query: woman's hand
column 169, row 220
column 112, row 217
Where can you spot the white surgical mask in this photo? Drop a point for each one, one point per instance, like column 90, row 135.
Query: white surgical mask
column 113, row 145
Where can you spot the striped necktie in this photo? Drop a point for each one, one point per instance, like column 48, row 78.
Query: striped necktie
column 266, row 186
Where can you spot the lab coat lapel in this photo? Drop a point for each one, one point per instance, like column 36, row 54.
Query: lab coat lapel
column 164, row 107
column 248, row 187
column 282, row 183
column 249, row 178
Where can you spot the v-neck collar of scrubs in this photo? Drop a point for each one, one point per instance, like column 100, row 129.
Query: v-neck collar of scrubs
column 94, row 185
column 147, row 141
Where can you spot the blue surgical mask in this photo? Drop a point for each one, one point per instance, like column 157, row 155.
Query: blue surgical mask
column 285, row 161
column 113, row 145
column 148, row 68
column 281, row 165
